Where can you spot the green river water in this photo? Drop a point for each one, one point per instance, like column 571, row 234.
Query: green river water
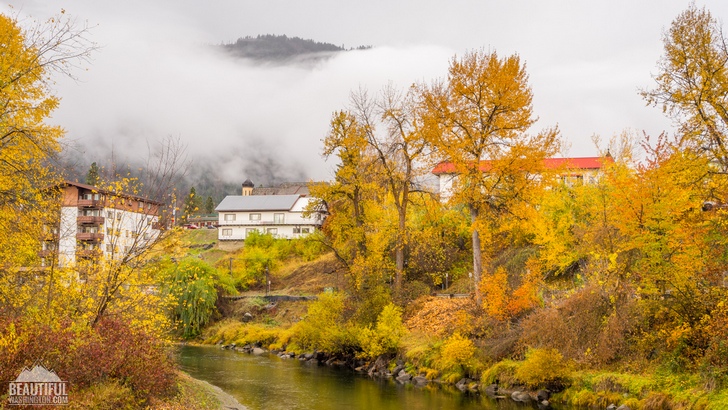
column 270, row 383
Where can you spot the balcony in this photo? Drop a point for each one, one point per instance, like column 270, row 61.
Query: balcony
column 88, row 253
column 90, row 203
column 90, row 220
column 45, row 253
column 89, row 236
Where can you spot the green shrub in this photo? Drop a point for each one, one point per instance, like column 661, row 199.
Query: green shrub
column 192, row 287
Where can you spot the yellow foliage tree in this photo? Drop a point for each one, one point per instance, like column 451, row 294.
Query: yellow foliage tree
column 482, row 113
column 692, row 83
column 28, row 58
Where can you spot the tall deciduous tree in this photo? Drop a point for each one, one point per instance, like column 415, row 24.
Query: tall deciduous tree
column 28, row 58
column 394, row 134
column 692, row 83
column 481, row 113
column 346, row 197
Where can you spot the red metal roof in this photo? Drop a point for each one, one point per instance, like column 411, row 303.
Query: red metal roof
column 550, row 163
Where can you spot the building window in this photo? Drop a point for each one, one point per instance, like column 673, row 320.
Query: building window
column 278, row 218
column 109, row 248
column 248, row 231
column 227, row 232
column 272, row 231
column 229, row 217
column 118, row 215
column 305, row 230
column 296, row 229
column 255, row 217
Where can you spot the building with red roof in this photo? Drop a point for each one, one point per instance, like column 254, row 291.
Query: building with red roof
column 572, row 170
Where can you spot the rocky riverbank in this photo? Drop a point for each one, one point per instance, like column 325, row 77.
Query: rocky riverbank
column 384, row 367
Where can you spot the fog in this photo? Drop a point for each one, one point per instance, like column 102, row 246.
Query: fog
column 158, row 73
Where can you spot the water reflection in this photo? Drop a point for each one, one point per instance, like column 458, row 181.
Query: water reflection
column 268, row 382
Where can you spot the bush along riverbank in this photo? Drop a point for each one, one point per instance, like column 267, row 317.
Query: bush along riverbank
column 425, row 344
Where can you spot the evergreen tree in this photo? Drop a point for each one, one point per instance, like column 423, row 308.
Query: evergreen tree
column 209, row 205
column 192, row 204
column 92, row 177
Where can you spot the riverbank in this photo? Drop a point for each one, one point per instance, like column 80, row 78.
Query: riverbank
column 196, row 394
column 227, row 402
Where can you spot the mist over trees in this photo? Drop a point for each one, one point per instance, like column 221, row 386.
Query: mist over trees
column 277, row 48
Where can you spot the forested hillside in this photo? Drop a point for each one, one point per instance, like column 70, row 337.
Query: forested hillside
column 280, row 48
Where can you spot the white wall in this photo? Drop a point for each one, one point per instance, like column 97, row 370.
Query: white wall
column 67, row 236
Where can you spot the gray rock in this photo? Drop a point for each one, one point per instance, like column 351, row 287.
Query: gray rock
column 308, row 356
column 401, row 373
column 462, row 385
column 491, row 390
column 544, row 405
column 624, row 407
column 521, row 397
column 612, row 407
column 258, row 351
column 419, row 380
column 398, row 369
column 404, row 378
column 247, row 317
column 542, row 395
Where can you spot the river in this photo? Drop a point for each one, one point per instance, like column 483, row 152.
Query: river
column 269, row 382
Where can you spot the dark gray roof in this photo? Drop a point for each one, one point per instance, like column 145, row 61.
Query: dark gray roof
column 286, row 188
column 257, row 203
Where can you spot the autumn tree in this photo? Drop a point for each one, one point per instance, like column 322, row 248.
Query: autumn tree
column 692, row 83
column 393, row 133
column 477, row 121
column 358, row 227
column 29, row 57
column 347, row 196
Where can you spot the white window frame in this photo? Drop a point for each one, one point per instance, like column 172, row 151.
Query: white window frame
column 254, row 216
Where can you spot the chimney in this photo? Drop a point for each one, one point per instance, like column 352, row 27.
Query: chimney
column 248, row 187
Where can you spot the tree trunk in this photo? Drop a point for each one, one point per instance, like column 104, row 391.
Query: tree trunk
column 477, row 256
column 399, row 250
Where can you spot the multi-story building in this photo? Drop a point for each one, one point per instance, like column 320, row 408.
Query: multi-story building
column 278, row 215
column 100, row 223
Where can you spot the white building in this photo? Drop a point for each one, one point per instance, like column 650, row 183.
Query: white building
column 98, row 223
column 278, row 215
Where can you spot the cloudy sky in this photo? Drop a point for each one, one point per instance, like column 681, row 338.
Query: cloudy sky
column 156, row 75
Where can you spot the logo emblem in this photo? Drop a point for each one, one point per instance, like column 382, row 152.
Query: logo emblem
column 37, row 387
